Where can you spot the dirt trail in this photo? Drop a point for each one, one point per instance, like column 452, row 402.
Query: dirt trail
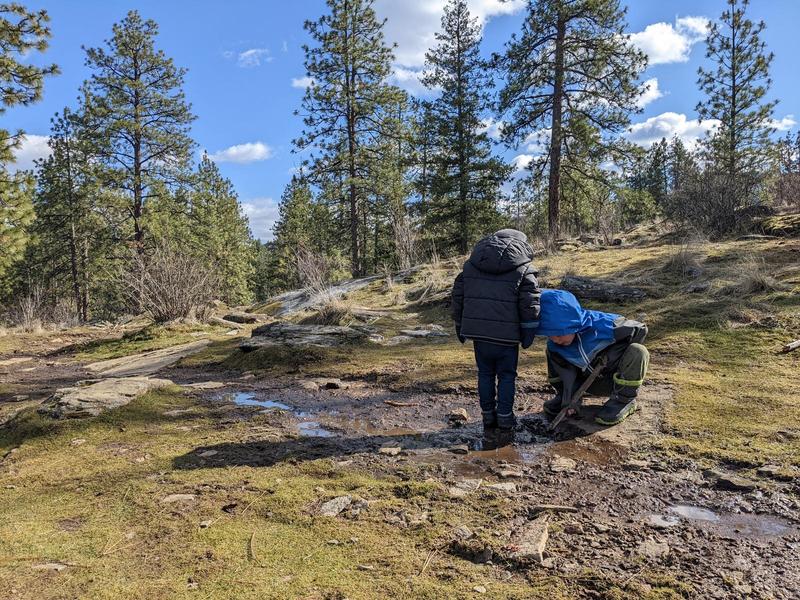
column 634, row 508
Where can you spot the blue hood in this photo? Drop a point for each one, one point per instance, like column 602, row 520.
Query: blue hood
column 562, row 314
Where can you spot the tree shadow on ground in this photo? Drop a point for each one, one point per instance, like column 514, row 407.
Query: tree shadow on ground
column 267, row 453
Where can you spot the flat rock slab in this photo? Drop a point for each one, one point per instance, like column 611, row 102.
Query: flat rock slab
column 529, row 541
column 246, row 318
column 146, row 363
column 291, row 334
column 333, row 507
column 95, row 398
column 10, row 362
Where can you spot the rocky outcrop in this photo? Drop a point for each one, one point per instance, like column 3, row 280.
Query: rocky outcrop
column 291, row 334
column 146, row 363
column 586, row 288
column 95, row 397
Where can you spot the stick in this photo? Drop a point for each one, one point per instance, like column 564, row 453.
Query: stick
column 431, row 554
column 400, row 404
column 554, row 508
column 576, row 399
column 791, row 346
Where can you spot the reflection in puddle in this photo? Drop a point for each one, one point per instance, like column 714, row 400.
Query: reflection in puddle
column 740, row 525
column 694, row 513
column 248, row 399
column 313, row 429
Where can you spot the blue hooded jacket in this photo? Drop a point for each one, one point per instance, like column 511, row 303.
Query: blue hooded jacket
column 562, row 314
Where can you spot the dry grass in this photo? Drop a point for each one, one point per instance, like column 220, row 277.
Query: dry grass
column 753, row 276
column 686, row 261
column 335, row 311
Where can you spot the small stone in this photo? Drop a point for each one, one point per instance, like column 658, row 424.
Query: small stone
column 777, row 472
column 458, row 416
column 205, row 524
column 333, row 507
column 531, row 540
column 77, row 442
column 562, row 464
column 334, row 542
column 208, row 453
column 366, row 568
column 463, row 488
column 636, row 465
column 172, row 498
column 652, row 549
column 390, row 450
column 462, row 532
column 729, row 482
column 479, row 589
column 459, row 449
column 600, row 528
column 573, row 529
column 506, row 487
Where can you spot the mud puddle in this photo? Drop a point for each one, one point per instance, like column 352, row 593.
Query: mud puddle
column 724, row 524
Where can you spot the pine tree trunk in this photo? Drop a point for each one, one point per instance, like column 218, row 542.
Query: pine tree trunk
column 355, row 253
column 554, row 182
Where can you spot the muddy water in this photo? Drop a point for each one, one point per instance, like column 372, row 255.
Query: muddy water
column 733, row 525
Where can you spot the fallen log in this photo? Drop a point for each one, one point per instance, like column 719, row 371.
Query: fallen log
column 400, row 404
column 791, row 346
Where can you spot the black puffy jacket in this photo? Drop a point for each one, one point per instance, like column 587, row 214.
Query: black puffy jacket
column 496, row 296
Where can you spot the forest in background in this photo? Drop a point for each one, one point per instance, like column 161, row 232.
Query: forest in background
column 120, row 219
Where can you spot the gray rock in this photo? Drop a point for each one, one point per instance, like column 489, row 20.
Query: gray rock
column 97, row 397
column 729, row 482
column 146, row 363
column 651, row 549
column 562, row 464
column 291, row 334
column 458, row 416
column 462, row 532
column 506, row 487
column 172, row 498
column 333, row 507
column 531, row 540
column 390, row 450
column 459, row 449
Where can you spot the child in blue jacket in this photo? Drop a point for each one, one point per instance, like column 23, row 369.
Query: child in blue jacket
column 577, row 338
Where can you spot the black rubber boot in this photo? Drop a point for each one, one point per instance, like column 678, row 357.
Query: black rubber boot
column 617, row 408
column 553, row 406
column 489, row 441
column 505, row 437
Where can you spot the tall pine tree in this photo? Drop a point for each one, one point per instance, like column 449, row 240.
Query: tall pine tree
column 465, row 179
column 138, row 116
column 572, row 66
column 735, row 96
column 21, row 83
column 349, row 65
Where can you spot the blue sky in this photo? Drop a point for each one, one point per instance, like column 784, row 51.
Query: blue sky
column 245, row 71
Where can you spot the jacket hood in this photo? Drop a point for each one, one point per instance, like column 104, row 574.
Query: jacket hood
column 503, row 251
column 561, row 314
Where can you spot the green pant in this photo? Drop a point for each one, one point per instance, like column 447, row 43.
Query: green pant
column 624, row 372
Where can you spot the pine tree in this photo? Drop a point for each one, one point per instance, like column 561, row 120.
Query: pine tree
column 735, row 96
column 68, row 228
column 465, row 179
column 138, row 116
column 571, row 67
column 221, row 232
column 21, row 83
column 342, row 110
column 293, row 229
column 681, row 165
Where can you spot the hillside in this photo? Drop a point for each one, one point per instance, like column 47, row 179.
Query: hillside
column 332, row 453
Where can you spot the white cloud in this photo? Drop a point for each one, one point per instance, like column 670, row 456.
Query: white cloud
column 412, row 23
column 262, row 214
column 243, row 153
column 666, row 43
column 784, row 124
column 302, row 82
column 521, row 161
column 284, row 46
column 253, row 57
column 32, row 147
column 492, row 128
column 667, row 125
column 410, row 81
column 650, row 92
